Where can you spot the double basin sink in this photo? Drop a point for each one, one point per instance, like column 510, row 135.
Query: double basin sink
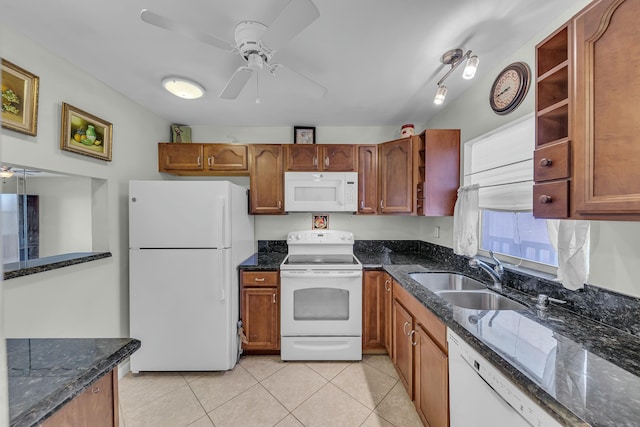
column 465, row 292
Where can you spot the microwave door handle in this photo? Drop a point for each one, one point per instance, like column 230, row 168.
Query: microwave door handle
column 340, row 198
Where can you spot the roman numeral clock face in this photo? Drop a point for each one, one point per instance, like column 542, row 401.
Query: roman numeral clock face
column 509, row 88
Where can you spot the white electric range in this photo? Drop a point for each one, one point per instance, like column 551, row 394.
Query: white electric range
column 321, row 297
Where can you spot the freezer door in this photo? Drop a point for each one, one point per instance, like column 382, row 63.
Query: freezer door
column 179, row 214
column 183, row 308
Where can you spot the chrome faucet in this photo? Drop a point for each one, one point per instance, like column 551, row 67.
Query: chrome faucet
column 495, row 272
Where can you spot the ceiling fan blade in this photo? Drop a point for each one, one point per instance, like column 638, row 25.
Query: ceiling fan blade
column 295, row 17
column 236, row 83
column 184, row 30
column 309, row 86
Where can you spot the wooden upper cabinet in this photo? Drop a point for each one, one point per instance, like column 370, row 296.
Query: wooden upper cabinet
column 339, row 157
column 266, row 179
column 395, row 175
column 368, row 179
column 226, row 157
column 329, row 157
column 180, row 157
column 607, row 142
column 302, row 157
column 203, row 159
column 437, row 164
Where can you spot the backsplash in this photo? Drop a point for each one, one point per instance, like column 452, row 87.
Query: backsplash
column 602, row 305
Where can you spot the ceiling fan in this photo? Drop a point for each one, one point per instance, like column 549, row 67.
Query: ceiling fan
column 255, row 43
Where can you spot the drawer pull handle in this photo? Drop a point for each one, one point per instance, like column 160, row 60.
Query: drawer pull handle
column 279, row 204
column 273, row 299
column 404, row 328
column 259, row 279
column 545, row 163
column 411, row 335
column 210, row 161
column 326, row 162
column 381, row 204
column 95, row 390
column 199, row 161
column 315, row 161
column 545, row 199
column 361, row 204
column 387, row 282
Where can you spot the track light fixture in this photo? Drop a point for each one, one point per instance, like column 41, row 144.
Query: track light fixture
column 455, row 57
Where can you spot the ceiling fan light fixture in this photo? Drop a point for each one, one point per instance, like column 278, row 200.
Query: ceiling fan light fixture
column 6, row 172
column 182, row 87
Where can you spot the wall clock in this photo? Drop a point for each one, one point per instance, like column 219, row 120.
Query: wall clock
column 510, row 88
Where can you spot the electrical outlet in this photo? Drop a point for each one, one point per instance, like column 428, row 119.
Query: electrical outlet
column 436, row 231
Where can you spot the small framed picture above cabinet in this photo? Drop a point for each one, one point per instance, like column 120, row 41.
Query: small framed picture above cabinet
column 304, row 135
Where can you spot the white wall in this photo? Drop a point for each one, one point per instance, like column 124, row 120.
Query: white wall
column 614, row 248
column 86, row 300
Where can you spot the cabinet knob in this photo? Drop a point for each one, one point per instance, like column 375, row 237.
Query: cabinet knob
column 361, row 204
column 315, row 161
column 279, row 204
column 545, row 162
column 545, row 199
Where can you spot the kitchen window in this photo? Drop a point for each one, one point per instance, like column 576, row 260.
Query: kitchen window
column 501, row 164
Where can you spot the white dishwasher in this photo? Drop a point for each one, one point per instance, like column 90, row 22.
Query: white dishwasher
column 481, row 396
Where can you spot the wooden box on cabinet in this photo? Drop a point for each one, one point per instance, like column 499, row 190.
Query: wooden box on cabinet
column 420, row 357
column 260, row 310
column 96, row 406
column 266, row 179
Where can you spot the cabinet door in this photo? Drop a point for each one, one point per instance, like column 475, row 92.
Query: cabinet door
column 431, row 381
column 438, row 171
column 606, row 138
column 172, row 157
column 260, row 318
column 373, row 311
column 96, row 406
column 368, row 179
column 266, row 179
column 402, row 347
column 339, row 157
column 396, row 177
column 388, row 310
column 227, row 157
column 302, row 157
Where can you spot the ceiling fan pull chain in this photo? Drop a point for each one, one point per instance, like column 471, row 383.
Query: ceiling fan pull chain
column 257, row 88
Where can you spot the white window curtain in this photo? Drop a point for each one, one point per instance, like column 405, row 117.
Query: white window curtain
column 571, row 240
column 465, row 221
column 501, row 163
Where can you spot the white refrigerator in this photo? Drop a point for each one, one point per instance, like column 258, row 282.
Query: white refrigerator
column 186, row 239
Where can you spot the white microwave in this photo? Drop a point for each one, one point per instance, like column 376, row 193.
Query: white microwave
column 320, row 191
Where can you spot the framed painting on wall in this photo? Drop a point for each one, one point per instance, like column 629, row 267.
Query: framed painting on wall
column 19, row 99
column 84, row 133
column 304, row 135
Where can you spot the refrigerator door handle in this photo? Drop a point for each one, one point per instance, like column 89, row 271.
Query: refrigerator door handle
column 222, row 221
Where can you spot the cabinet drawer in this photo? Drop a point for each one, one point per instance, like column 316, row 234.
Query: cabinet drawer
column 551, row 199
column 260, row 278
column 552, row 162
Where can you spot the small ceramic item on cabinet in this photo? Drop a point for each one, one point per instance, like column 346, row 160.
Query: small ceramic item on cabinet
column 407, row 130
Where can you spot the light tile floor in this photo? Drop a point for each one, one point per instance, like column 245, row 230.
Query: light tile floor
column 264, row 391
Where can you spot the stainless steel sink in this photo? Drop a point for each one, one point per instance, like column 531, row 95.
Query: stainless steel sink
column 447, row 282
column 480, row 300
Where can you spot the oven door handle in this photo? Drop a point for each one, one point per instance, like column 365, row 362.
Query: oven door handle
column 315, row 274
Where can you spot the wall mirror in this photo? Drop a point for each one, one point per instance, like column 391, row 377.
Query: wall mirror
column 48, row 217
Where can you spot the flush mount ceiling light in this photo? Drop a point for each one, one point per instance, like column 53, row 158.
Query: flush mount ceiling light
column 455, row 57
column 6, row 172
column 183, row 88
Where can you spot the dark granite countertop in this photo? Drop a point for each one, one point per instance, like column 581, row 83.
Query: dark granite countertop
column 263, row 261
column 33, row 266
column 44, row 374
column 581, row 371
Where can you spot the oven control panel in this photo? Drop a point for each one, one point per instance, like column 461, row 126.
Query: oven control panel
column 318, row 237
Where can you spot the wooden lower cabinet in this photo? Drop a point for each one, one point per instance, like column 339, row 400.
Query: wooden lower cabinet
column 421, row 357
column 431, row 386
column 97, row 406
column 373, row 312
column 260, row 311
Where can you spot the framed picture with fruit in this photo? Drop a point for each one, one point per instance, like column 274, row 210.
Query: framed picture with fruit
column 84, row 133
column 19, row 99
